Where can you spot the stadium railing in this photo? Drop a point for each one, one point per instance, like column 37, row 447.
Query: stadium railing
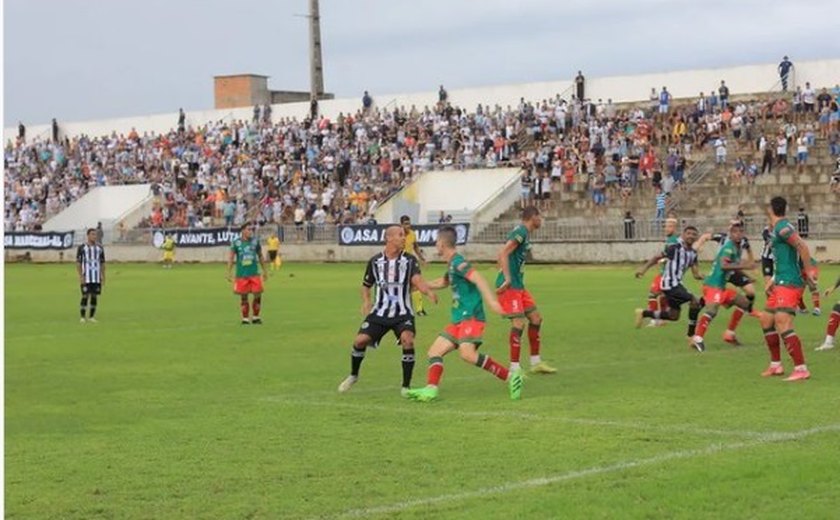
column 572, row 230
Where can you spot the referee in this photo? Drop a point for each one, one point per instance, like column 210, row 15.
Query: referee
column 394, row 273
column 90, row 264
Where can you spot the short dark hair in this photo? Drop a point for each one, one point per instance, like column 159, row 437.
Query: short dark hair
column 90, row 230
column 244, row 226
column 529, row 212
column 779, row 206
column 449, row 235
column 690, row 228
column 404, row 219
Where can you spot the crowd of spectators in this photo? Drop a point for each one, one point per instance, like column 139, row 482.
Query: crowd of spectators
column 337, row 171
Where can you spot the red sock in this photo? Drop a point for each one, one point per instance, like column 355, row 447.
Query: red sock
column 833, row 322
column 802, row 306
column 515, row 340
column 773, row 344
column 737, row 314
column 244, row 306
column 702, row 325
column 653, row 303
column 435, row 371
column 534, row 339
column 255, row 306
column 794, row 347
column 488, row 364
column 815, row 298
column 663, row 303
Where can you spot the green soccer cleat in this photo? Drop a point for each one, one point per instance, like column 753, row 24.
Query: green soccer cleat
column 423, row 395
column 515, row 383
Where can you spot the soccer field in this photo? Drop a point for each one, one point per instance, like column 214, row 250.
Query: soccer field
column 169, row 408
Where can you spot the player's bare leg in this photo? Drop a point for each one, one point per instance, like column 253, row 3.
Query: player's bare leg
column 538, row 366
column 244, row 309
column 831, row 329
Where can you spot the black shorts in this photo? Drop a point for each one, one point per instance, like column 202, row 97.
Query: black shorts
column 767, row 267
column 377, row 327
column 93, row 289
column 739, row 279
column 678, row 296
column 272, row 255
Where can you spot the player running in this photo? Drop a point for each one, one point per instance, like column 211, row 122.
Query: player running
column 272, row 245
column 90, row 266
column 833, row 321
column 680, row 257
column 246, row 254
column 739, row 279
column 168, row 251
column 715, row 294
column 465, row 331
column 394, row 273
column 656, row 301
column 412, row 248
column 516, row 301
column 783, row 292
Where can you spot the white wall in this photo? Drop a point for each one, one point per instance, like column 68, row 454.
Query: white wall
column 104, row 204
column 450, row 191
column 687, row 83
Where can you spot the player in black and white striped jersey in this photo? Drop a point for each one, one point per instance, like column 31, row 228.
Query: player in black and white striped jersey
column 394, row 273
column 680, row 257
column 90, row 265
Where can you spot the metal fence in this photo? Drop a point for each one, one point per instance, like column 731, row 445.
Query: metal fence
column 556, row 230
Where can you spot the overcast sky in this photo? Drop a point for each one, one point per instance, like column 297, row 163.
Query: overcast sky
column 93, row 59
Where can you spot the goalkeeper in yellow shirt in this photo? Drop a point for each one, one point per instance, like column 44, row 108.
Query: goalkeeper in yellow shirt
column 168, row 251
column 272, row 245
column 412, row 248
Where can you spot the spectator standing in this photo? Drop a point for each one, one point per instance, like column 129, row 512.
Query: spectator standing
column 784, row 72
column 629, row 226
column 809, row 98
column 664, row 101
column 54, row 130
column 21, row 132
column 661, row 198
column 367, row 102
column 580, row 86
column 724, row 95
column 443, row 96
column 720, row 151
column 256, row 117
column 182, row 120
column 526, row 185
column 802, row 223
column 801, row 152
column 266, row 114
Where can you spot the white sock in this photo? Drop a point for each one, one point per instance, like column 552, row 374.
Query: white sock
column 514, row 367
column 800, row 367
column 775, row 363
column 536, row 360
column 829, row 340
column 729, row 332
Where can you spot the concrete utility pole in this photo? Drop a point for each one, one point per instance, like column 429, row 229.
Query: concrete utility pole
column 316, row 69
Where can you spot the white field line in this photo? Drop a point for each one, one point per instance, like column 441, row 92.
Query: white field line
column 582, row 473
column 418, row 410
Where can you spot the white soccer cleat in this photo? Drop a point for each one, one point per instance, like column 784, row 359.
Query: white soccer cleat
column 82, row 320
column 816, row 312
column 403, row 391
column 92, row 320
column 825, row 346
column 347, row 384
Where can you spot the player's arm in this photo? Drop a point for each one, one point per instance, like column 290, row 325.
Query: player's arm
column 262, row 262
column 489, row 296
column 439, row 283
column 695, row 271
column 795, row 241
column 231, row 260
column 698, row 245
column 102, row 266
column 367, row 282
column 424, row 287
column 650, row 263
column 80, row 259
column 504, row 262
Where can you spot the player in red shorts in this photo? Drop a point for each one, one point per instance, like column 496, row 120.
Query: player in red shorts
column 783, row 293
column 516, row 301
column 246, row 254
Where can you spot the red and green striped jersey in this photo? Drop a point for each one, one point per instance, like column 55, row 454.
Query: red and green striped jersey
column 786, row 270
column 466, row 298
column 516, row 259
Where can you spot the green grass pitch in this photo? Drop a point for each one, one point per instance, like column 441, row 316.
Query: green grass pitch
column 169, row 408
